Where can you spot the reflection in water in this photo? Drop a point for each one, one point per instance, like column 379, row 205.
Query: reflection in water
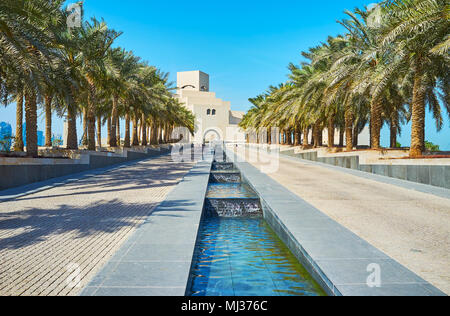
column 243, row 257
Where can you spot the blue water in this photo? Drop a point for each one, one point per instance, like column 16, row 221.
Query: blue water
column 243, row 257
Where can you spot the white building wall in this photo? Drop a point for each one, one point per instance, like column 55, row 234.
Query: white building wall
column 193, row 92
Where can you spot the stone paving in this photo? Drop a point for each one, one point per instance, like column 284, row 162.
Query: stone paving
column 54, row 242
column 409, row 226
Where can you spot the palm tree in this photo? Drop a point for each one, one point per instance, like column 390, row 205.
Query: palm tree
column 419, row 38
column 69, row 71
column 95, row 41
column 127, row 66
column 394, row 54
column 25, row 50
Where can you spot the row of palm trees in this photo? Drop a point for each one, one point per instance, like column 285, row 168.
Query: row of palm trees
column 391, row 64
column 75, row 72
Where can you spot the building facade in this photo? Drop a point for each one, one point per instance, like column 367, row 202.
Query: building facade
column 214, row 119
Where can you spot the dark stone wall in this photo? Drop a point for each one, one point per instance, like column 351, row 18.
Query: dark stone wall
column 17, row 175
column 438, row 176
column 12, row 176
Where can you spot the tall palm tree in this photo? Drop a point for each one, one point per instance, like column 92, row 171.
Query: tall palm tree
column 394, row 54
column 127, row 66
column 25, row 49
column 96, row 39
column 417, row 33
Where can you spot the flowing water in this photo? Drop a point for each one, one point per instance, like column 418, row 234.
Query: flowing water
column 237, row 253
column 244, row 257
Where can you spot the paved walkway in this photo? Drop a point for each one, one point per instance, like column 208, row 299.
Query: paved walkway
column 55, row 241
column 411, row 227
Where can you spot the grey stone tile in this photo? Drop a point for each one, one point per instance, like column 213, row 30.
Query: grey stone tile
column 423, row 175
column 149, row 274
column 140, row 291
column 89, row 291
column 365, row 168
column 299, row 208
column 437, row 176
column 354, row 271
column 399, row 172
column 412, row 173
column 296, row 223
column 159, row 252
column 103, row 274
column 390, row 290
column 354, row 162
column 380, row 170
column 447, row 177
column 341, row 248
column 179, row 234
column 323, row 233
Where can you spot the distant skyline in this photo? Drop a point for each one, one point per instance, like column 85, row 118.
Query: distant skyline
column 245, row 46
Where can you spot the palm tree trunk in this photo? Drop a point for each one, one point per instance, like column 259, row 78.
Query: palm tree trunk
column 316, row 131
column 349, row 129
column 167, row 133
column 331, row 131
column 118, row 138
column 85, row 127
column 72, row 140
column 91, row 131
column 418, row 117
column 341, row 136
column 91, row 118
column 375, row 117
column 31, row 124
column 99, row 131
column 48, row 121
column 296, row 136
column 18, row 144
column 135, row 129
column 320, row 136
column 393, row 129
column 355, row 136
column 144, row 130
column 126, row 143
column 153, row 136
column 393, row 136
column 113, row 140
column 108, row 127
column 305, row 137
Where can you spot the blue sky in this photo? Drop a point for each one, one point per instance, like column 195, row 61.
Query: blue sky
column 245, row 46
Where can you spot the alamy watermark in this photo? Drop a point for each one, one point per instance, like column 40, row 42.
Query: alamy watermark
column 75, row 15
column 265, row 156
column 374, row 278
column 74, row 278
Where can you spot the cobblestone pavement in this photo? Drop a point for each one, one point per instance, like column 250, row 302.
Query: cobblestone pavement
column 55, row 241
column 409, row 226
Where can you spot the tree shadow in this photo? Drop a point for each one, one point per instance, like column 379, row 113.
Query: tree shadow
column 100, row 217
column 139, row 177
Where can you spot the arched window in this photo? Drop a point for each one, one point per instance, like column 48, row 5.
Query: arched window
column 214, row 112
column 208, row 112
